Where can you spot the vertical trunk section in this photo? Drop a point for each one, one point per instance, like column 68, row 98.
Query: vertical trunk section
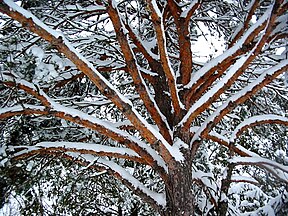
column 180, row 196
column 223, row 204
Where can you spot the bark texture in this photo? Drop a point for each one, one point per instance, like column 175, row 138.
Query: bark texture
column 180, row 195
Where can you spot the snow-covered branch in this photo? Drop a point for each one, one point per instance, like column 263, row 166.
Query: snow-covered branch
column 78, row 147
column 200, row 81
column 79, row 117
column 146, row 51
column 134, row 71
column 133, row 183
column 257, row 120
column 232, row 74
column 23, row 109
column 157, row 20
column 156, row 200
column 244, row 26
column 240, row 97
column 189, row 11
column 58, row 40
column 278, row 170
column 182, row 27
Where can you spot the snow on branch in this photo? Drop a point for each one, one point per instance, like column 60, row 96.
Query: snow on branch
column 245, row 153
column 23, row 109
column 240, row 97
column 201, row 104
column 88, row 146
column 213, row 136
column 62, row 44
column 231, row 75
column 280, row 31
column 277, row 170
column 231, row 52
column 281, row 170
column 184, row 42
column 155, row 199
column 205, row 180
column 139, row 43
column 257, row 120
column 188, row 12
column 148, row 155
column 242, row 27
column 157, row 20
column 79, row 147
column 207, row 75
column 134, row 71
column 79, row 117
column 246, row 179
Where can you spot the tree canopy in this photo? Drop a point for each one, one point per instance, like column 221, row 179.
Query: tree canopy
column 183, row 102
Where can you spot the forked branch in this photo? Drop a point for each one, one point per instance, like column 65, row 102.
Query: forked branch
column 58, row 40
column 157, row 20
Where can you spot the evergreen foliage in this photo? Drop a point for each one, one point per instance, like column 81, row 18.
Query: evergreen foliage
column 135, row 107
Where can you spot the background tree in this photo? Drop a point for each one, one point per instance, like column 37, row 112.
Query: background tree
column 113, row 85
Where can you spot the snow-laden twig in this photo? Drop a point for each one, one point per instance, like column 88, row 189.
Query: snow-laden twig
column 78, row 147
column 188, row 12
column 281, row 170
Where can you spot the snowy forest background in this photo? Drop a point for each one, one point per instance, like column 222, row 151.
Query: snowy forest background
column 103, row 103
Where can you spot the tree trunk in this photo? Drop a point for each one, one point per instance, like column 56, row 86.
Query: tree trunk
column 223, row 204
column 180, row 196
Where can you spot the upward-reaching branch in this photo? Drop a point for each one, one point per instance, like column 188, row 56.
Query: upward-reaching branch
column 181, row 20
column 205, row 77
column 239, row 98
column 133, row 69
column 234, row 71
column 244, row 26
column 58, row 40
column 157, row 20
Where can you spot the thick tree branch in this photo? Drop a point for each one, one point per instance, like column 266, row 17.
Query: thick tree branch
column 232, row 74
column 182, row 27
column 84, row 119
column 223, row 62
column 133, row 69
column 157, row 20
column 265, row 78
column 55, row 38
column 199, row 90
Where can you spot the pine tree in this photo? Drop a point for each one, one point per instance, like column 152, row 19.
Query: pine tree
column 192, row 91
